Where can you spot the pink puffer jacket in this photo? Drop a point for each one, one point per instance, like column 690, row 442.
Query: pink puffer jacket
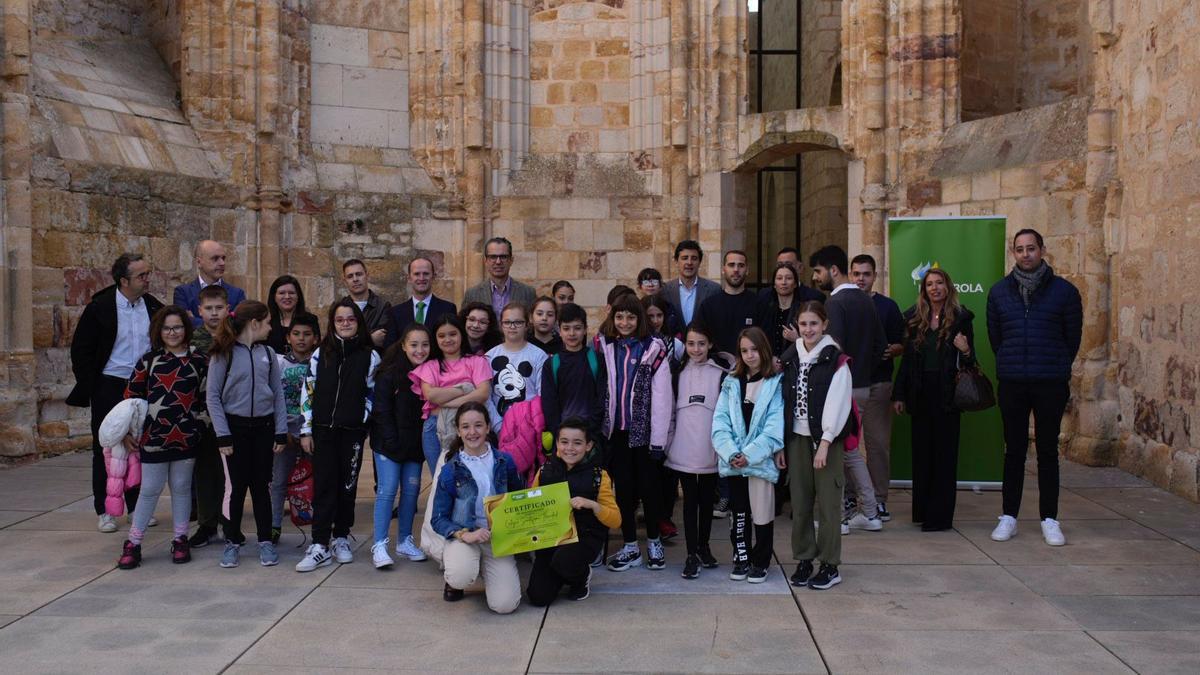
column 124, row 468
column 521, row 436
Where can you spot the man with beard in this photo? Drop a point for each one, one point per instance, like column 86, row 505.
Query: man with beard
column 499, row 288
column 688, row 293
column 728, row 313
column 374, row 308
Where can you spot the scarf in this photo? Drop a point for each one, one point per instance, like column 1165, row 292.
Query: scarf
column 1029, row 282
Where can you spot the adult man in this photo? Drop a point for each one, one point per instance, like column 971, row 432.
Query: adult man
column 423, row 306
column 877, row 414
column 854, row 324
column 1035, row 324
column 687, row 293
column 730, row 312
column 374, row 308
column 112, row 334
column 790, row 255
column 210, row 269
column 499, row 288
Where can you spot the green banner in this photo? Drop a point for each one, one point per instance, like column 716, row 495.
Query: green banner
column 528, row 520
column 971, row 250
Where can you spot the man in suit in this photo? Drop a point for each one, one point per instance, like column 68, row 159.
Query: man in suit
column 499, row 288
column 423, row 307
column 210, row 269
column 374, row 308
column 690, row 290
column 790, row 255
column 112, row 334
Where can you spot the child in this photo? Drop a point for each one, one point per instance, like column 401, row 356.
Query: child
column 516, row 364
column 336, row 404
column 747, row 433
column 817, row 399
column 302, row 338
column 474, row 469
column 542, row 334
column 657, row 310
column 245, row 401
column 170, row 378
column 636, row 422
column 574, row 380
column 482, row 329
column 563, row 292
column 447, row 380
column 595, row 510
column 208, row 478
column 691, row 455
column 395, row 439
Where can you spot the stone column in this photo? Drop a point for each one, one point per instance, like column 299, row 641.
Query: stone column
column 473, row 187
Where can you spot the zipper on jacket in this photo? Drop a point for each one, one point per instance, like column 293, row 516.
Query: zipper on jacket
column 338, row 390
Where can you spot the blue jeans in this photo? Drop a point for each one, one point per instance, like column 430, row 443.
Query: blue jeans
column 431, row 444
column 402, row 477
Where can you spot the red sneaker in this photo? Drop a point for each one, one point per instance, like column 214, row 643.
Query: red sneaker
column 181, row 552
column 131, row 556
column 667, row 529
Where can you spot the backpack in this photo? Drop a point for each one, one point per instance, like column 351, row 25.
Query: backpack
column 300, row 492
column 854, row 422
column 593, row 364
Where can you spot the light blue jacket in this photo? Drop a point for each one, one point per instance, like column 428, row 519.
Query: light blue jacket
column 729, row 434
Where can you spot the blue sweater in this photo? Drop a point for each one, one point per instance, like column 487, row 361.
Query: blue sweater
column 1038, row 343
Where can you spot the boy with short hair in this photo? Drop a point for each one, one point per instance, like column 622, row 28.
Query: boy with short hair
column 208, row 477
column 302, row 338
column 574, row 380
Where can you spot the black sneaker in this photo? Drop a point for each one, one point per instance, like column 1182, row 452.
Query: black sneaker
column 850, row 504
column 691, row 567
column 721, row 508
column 625, row 559
column 451, row 594
column 884, row 514
column 203, row 537
column 804, row 570
column 581, row 591
column 740, row 571
column 656, row 556
column 757, row 575
column 600, row 556
column 276, row 533
column 707, row 559
column 827, row 577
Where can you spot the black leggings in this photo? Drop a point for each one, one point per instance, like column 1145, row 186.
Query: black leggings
column 698, row 494
column 566, row 565
column 758, row 553
column 249, row 468
column 337, row 458
column 636, row 476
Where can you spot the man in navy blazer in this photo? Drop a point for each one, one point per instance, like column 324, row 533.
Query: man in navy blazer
column 423, row 305
column 686, row 293
column 210, row 268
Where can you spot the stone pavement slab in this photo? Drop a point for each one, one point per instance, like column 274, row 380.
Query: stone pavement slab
column 933, row 611
column 1028, row 548
column 1154, row 653
column 11, row 517
column 930, row 579
column 1097, row 580
column 1157, row 509
column 1132, row 613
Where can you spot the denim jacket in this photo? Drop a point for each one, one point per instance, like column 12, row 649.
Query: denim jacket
column 454, row 503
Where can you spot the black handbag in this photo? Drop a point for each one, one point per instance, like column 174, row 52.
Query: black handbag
column 972, row 389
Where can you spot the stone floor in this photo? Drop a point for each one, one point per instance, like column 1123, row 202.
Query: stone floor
column 1121, row 596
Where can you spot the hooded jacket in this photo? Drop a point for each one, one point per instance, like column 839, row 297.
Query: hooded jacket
column 245, row 382
column 698, row 385
column 521, row 436
column 124, row 468
column 651, row 421
column 765, row 435
column 832, row 412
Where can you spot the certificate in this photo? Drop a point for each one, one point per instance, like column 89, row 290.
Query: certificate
column 527, row 520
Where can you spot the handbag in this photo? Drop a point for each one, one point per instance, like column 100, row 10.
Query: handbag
column 972, row 389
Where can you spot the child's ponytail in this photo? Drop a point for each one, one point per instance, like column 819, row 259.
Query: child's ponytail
column 233, row 325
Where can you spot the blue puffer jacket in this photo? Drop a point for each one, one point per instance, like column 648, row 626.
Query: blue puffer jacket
column 729, row 435
column 1039, row 343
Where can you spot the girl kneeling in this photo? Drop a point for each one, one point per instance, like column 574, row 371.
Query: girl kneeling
column 595, row 513
column 474, row 470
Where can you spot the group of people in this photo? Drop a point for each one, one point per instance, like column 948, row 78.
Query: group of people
column 741, row 401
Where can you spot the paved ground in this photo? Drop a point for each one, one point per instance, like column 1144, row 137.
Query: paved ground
column 1121, row 596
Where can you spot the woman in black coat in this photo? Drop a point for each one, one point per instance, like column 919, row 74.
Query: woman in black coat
column 939, row 340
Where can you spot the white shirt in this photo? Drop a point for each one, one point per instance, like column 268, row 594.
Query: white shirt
column 133, row 337
column 687, row 299
column 844, row 287
column 362, row 305
column 481, row 469
column 205, row 284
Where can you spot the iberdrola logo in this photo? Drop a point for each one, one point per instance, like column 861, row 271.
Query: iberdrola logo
column 919, row 271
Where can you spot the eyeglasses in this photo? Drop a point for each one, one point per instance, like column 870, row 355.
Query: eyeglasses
column 173, row 329
column 345, row 320
column 497, row 258
column 512, row 324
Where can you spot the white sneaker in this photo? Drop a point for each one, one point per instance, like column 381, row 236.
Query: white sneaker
column 1006, row 529
column 1052, row 533
column 845, row 527
column 409, row 549
column 107, row 523
column 316, row 556
column 379, row 554
column 341, row 551
column 861, row 522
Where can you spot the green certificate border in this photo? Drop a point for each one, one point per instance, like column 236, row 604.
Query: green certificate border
column 532, row 519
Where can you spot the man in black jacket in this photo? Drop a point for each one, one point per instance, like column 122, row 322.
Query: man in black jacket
column 112, row 334
column 375, row 309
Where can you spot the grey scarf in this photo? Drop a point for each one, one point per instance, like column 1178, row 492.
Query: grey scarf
column 1029, row 282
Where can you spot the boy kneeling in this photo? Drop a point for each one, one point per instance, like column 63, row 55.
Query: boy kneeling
column 595, row 513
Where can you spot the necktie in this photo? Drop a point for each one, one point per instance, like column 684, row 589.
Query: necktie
column 421, row 311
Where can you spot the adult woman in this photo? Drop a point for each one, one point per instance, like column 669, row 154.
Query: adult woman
column 284, row 300
column 482, row 328
column 939, row 340
column 778, row 314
